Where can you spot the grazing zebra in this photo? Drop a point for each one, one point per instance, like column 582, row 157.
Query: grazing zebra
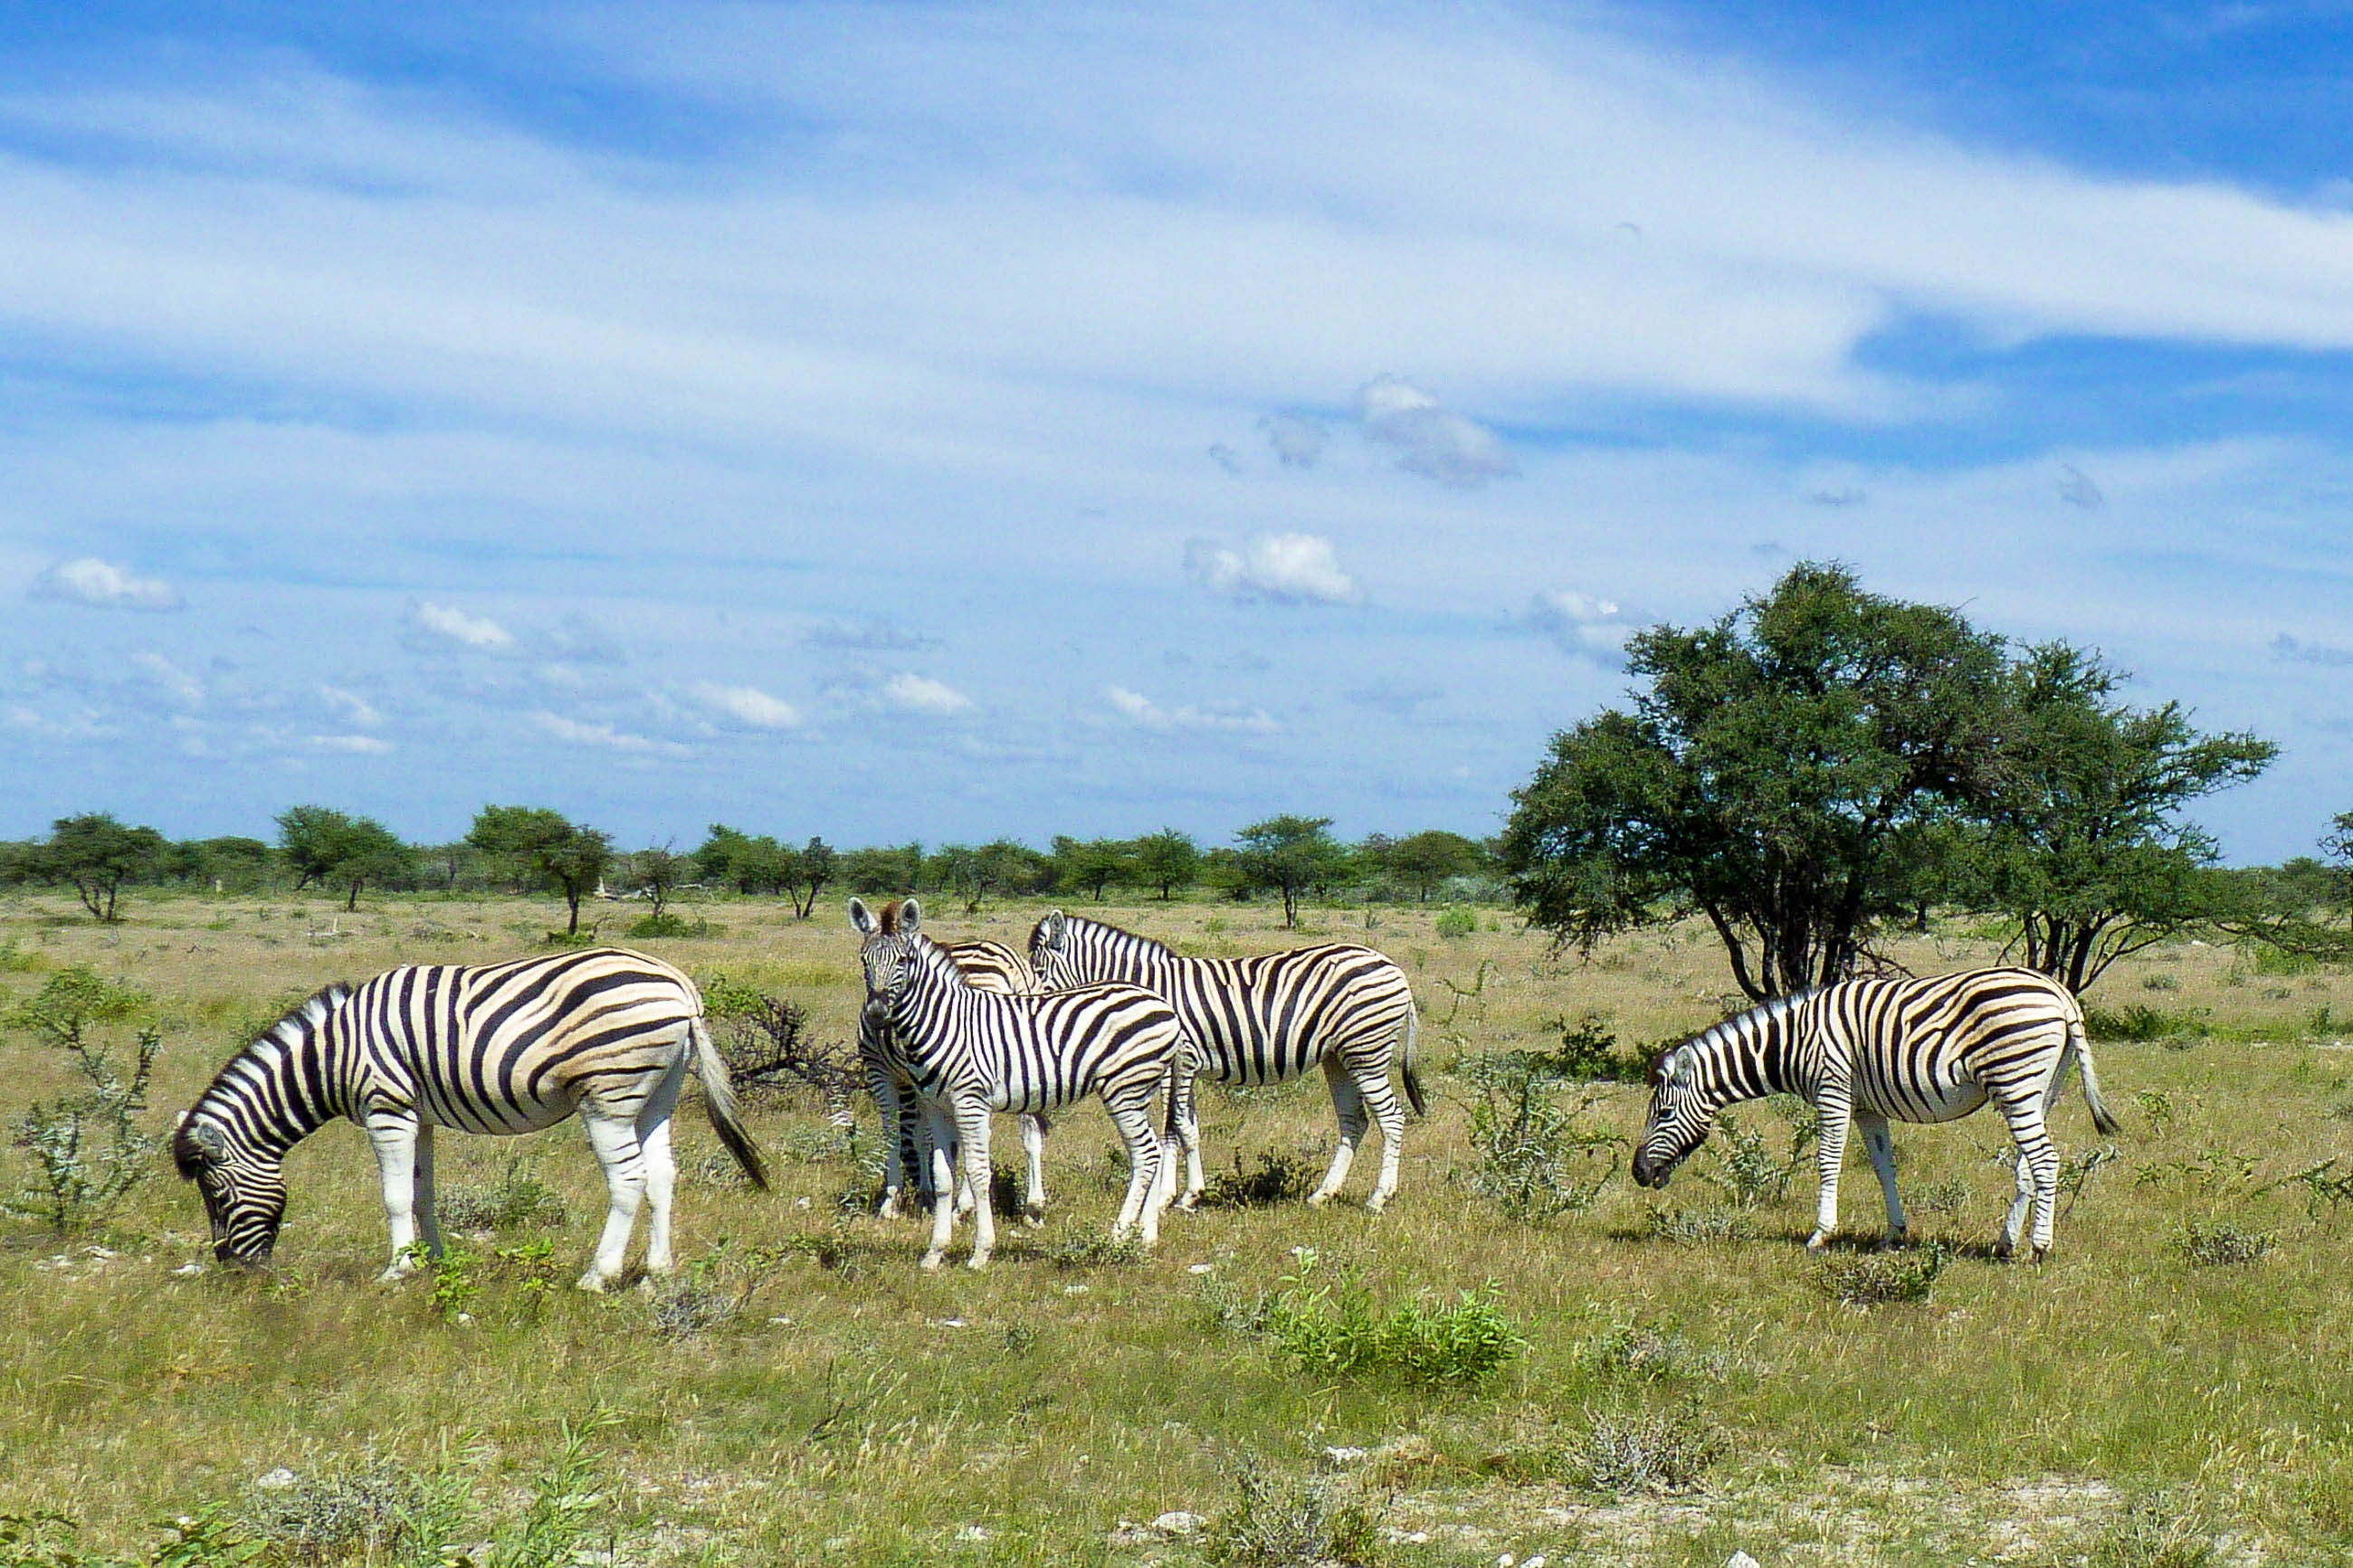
column 990, row 966
column 1266, row 1020
column 499, row 1049
column 1866, row 1050
column 969, row 1052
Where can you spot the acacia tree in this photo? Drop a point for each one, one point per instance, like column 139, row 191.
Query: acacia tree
column 540, row 848
column 656, row 873
column 2083, row 842
column 1289, row 855
column 338, row 850
column 97, row 854
column 1423, row 861
column 1092, row 863
column 1167, row 860
column 812, row 868
column 1789, row 770
column 2338, row 845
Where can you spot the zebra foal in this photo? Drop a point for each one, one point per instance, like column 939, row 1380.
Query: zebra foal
column 985, row 966
column 1865, row 1051
column 970, row 1052
column 1346, row 1008
column 499, row 1049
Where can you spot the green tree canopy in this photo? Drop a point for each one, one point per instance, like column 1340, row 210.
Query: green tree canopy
column 338, row 850
column 2081, row 839
column 1289, row 855
column 1093, row 864
column 97, row 854
column 887, row 870
column 813, row 867
column 1167, row 860
column 540, row 848
column 748, row 863
column 1785, row 771
column 975, row 873
column 1425, row 861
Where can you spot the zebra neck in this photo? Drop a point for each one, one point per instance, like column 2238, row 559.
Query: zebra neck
column 1129, row 959
column 287, row 1090
column 1771, row 1051
column 936, row 1009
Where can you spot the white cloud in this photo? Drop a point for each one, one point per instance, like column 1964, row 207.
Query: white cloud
column 1287, row 568
column 748, row 704
column 352, row 706
column 1432, row 439
column 89, row 580
column 920, row 694
column 1152, row 716
column 361, row 745
column 1297, row 441
column 474, row 631
column 176, row 683
column 1581, row 624
column 582, row 734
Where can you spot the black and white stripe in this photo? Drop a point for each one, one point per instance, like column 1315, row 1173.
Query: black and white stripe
column 970, row 1052
column 1267, row 1019
column 499, row 1049
column 1866, row 1052
column 986, row 966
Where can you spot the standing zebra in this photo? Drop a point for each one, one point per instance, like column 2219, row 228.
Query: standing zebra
column 986, row 966
column 1266, row 1020
column 969, row 1052
column 499, row 1049
column 1866, row 1050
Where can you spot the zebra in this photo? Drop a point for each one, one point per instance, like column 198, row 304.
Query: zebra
column 1866, row 1050
column 969, row 1052
column 499, row 1049
column 1266, row 1019
column 990, row 966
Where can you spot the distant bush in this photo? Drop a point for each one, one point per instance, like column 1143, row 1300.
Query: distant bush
column 2140, row 1022
column 1273, row 1525
column 2215, row 1245
column 1455, row 921
column 1648, row 1450
column 1875, row 1278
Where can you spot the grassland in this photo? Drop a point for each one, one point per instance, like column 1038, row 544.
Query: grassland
column 2124, row 1403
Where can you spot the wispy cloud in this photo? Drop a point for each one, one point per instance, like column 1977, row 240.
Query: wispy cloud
column 89, row 580
column 358, row 745
column 358, row 710
column 922, row 694
column 1141, row 708
column 2302, row 652
column 2077, row 487
column 600, row 734
column 749, row 705
column 1432, row 440
column 1285, row 568
column 473, row 631
column 1581, row 624
column 868, row 636
column 1297, row 441
column 173, row 681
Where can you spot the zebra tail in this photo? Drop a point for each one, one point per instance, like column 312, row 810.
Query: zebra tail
column 2101, row 1118
column 1405, row 1059
column 718, row 1103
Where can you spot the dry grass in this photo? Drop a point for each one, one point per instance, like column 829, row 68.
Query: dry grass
column 849, row 1408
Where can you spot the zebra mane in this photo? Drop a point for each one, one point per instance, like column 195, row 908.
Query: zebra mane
column 1724, row 1032
column 1151, row 944
column 291, row 1030
column 886, row 918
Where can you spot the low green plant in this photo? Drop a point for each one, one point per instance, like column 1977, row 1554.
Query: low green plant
column 87, row 1148
column 1875, row 1279
column 1537, row 1158
column 1652, row 1353
column 1274, row 1524
column 2324, row 1187
column 1334, row 1329
column 1455, row 923
column 2138, row 1022
column 535, row 1268
column 2076, row 1171
column 516, row 1199
column 1743, row 1164
column 1700, row 1227
column 368, row 1509
column 1642, row 1449
column 1094, row 1249
column 2216, row 1245
column 455, row 1285
column 1280, row 1179
column 1944, row 1199
column 2159, row 1532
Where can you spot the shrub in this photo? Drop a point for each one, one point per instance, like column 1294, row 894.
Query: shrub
column 87, row 1148
column 1291, row 1526
column 1747, row 1169
column 1875, row 1278
column 2140, row 1022
column 2155, row 1533
column 1537, row 1159
column 1653, row 1352
column 325, row 1516
column 2219, row 1245
column 1945, row 1199
column 1699, row 1227
column 1334, row 1329
column 766, row 1044
column 1280, row 1179
column 1094, row 1249
column 1650, row 1451
column 1455, row 921
column 516, row 1199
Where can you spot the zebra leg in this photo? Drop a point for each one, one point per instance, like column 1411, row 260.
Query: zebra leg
column 1348, row 1104
column 1390, row 1116
column 973, row 1130
column 943, row 1185
column 899, row 1146
column 661, row 1181
column 1187, row 1124
column 1832, row 1111
column 394, row 1134
column 1874, row 1127
column 1146, row 1193
column 2013, row 1224
column 2038, row 1164
column 614, row 1138
column 429, row 1226
column 1033, row 1146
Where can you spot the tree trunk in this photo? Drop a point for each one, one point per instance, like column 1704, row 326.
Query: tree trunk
column 352, row 904
column 571, row 899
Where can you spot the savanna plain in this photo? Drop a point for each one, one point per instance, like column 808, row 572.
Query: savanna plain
column 1643, row 1378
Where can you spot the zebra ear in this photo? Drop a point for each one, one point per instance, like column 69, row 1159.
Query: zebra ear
column 861, row 918
column 1051, row 928
column 910, row 915
column 210, row 1140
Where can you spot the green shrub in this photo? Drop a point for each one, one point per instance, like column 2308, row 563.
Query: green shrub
column 2215, row 1245
column 1272, row 1525
column 87, row 1148
column 516, row 1199
column 2140, row 1022
column 1745, row 1167
column 1652, row 1353
column 1280, row 1179
column 1094, row 1249
column 1645, row 1450
column 1873, row 1279
column 1334, row 1329
column 1455, row 921
column 1537, row 1159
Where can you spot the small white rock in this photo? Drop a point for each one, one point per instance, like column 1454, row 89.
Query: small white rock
column 1505, row 1560
column 1200, row 1268
column 1179, row 1521
column 954, row 1323
column 1536, row 1562
column 1344, row 1456
column 277, row 1480
column 800, row 1203
column 1741, row 1559
column 464, row 1320
column 187, row 1270
column 971, row 1532
column 781, row 1322
column 1075, row 1289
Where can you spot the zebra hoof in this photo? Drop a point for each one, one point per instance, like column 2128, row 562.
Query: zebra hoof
column 1817, row 1241
column 1376, row 1203
column 1316, row 1200
column 932, row 1261
column 1187, row 1204
column 1034, row 1221
column 593, row 1282
column 979, row 1261
column 1896, row 1238
column 2040, row 1254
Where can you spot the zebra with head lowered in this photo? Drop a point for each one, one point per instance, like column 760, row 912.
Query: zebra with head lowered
column 1267, row 1019
column 986, row 966
column 970, row 1052
column 500, row 1048
column 1865, row 1051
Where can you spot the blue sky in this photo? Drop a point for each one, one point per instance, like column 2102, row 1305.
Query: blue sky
column 943, row 421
